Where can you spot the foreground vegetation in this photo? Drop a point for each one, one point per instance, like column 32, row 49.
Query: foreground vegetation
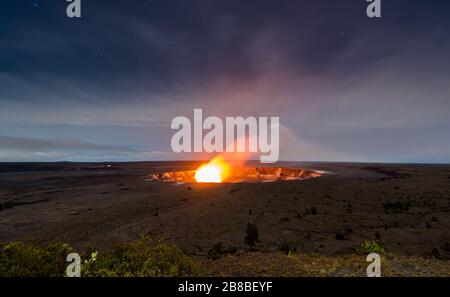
column 140, row 258
column 146, row 258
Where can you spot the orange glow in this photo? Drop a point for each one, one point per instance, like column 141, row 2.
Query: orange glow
column 215, row 171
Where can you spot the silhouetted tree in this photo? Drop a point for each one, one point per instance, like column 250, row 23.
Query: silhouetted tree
column 251, row 235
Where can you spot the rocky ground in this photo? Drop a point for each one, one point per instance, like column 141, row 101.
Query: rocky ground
column 404, row 208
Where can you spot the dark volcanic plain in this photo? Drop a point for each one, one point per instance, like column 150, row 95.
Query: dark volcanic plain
column 406, row 208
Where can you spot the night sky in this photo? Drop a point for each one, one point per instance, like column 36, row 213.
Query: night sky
column 106, row 87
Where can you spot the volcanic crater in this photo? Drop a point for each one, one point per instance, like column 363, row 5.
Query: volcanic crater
column 242, row 174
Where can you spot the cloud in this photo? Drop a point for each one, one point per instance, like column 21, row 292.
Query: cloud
column 26, row 144
column 32, row 149
column 346, row 87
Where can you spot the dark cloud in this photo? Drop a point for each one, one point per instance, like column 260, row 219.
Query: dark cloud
column 30, row 144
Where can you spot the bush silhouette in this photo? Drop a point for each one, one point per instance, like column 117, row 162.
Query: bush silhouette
column 251, row 235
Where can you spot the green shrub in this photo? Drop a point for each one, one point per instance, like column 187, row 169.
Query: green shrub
column 140, row 258
column 25, row 260
column 370, row 246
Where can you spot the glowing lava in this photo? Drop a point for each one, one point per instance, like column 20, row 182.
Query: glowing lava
column 214, row 172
